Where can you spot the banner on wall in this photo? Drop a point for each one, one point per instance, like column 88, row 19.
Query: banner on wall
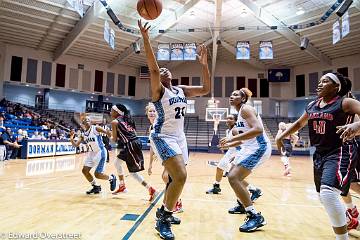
column 345, row 30
column 177, row 52
column 190, row 51
column 64, row 148
column 243, row 50
column 78, row 5
column 96, row 118
column 266, row 50
column 336, row 32
column 106, row 31
column 41, row 149
column 163, row 53
column 112, row 39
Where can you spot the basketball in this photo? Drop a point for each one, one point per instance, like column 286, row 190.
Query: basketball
column 149, row 9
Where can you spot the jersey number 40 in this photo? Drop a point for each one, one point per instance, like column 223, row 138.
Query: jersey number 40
column 319, row 127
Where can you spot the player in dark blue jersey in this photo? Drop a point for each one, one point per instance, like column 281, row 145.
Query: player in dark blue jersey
column 330, row 121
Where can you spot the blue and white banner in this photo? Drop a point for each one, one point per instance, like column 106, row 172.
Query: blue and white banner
column 48, row 148
column 336, row 32
column 190, row 51
column 163, row 53
column 106, row 31
column 266, row 50
column 177, row 52
column 112, row 39
column 41, row 149
column 64, row 148
column 345, row 24
column 243, row 50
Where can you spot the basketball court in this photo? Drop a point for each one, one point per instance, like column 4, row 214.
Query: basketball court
column 53, row 200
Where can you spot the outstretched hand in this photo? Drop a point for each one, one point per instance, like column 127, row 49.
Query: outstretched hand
column 202, row 55
column 348, row 132
column 144, row 29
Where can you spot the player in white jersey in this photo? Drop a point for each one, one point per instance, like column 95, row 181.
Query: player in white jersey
column 225, row 162
column 168, row 138
column 255, row 149
column 96, row 156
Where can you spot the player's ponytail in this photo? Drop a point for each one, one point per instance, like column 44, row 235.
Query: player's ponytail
column 246, row 93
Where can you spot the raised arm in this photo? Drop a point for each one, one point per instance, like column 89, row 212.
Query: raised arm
column 194, row 91
column 296, row 126
column 156, row 86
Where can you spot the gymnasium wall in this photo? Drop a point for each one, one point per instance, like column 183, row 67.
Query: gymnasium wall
column 75, row 78
column 2, row 66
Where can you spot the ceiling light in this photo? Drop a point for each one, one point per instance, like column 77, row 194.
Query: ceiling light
column 300, row 11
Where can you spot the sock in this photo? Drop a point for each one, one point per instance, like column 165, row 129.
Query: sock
column 216, row 182
column 251, row 187
column 145, row 185
column 344, row 236
column 93, row 183
column 167, row 210
column 110, row 177
column 251, row 209
column 121, row 182
column 350, row 205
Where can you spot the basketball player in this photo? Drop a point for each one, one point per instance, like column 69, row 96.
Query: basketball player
column 95, row 157
column 333, row 159
column 151, row 115
column 255, row 149
column 225, row 162
column 287, row 151
column 168, row 138
column 123, row 129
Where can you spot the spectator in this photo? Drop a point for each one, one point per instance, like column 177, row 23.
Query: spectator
column 2, row 122
column 36, row 136
column 42, row 136
column 10, row 143
column 2, row 149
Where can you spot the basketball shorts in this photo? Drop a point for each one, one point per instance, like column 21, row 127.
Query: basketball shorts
column 252, row 157
column 288, row 150
column 165, row 146
column 335, row 169
column 357, row 162
column 96, row 159
column 225, row 162
column 132, row 154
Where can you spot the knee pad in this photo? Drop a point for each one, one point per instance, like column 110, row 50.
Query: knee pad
column 137, row 177
column 329, row 198
column 118, row 166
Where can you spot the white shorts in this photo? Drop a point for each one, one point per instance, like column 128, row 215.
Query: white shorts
column 96, row 159
column 225, row 162
column 252, row 157
column 165, row 147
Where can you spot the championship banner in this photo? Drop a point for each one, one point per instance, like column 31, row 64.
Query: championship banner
column 177, row 52
column 163, row 53
column 345, row 30
column 64, row 148
column 266, row 50
column 243, row 50
column 106, row 31
column 78, row 5
column 336, row 32
column 112, row 39
column 190, row 51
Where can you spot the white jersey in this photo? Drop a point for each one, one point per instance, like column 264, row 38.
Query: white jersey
column 230, row 135
column 242, row 126
column 171, row 109
column 93, row 139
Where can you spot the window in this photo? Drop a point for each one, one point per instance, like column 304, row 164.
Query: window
column 277, row 108
column 190, row 106
column 258, row 106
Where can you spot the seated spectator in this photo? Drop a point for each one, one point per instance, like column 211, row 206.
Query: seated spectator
column 10, row 144
column 36, row 136
column 53, row 134
column 42, row 136
column 2, row 122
